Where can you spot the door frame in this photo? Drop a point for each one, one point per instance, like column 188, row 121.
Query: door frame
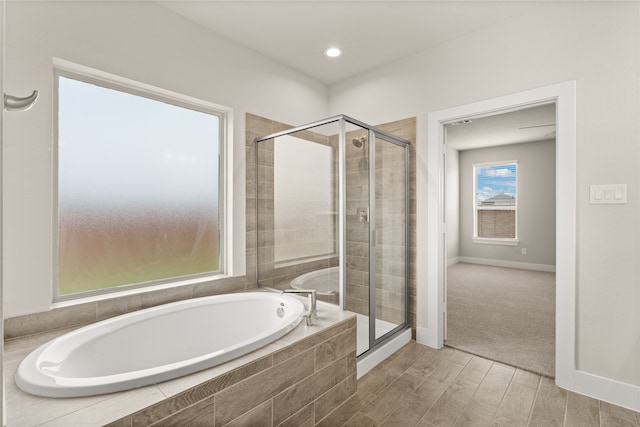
column 430, row 205
column 3, row 415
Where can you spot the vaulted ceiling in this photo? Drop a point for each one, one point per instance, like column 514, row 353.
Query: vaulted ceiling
column 370, row 33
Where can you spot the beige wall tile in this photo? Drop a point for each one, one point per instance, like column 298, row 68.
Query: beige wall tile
column 326, row 378
column 60, row 318
column 116, row 306
column 123, row 422
column 292, row 350
column 195, row 394
column 335, row 348
column 110, row 408
column 335, row 397
column 258, row 416
column 217, row 287
column 201, row 413
column 239, row 398
column 293, row 399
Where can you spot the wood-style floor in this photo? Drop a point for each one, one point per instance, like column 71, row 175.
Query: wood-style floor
column 420, row 386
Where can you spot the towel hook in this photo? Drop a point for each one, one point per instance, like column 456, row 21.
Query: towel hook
column 14, row 103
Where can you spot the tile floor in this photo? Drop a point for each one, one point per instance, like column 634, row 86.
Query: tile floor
column 420, row 386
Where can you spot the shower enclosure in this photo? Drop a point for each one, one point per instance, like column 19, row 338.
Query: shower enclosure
column 332, row 215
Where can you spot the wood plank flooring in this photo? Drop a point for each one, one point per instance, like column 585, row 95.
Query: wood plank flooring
column 423, row 387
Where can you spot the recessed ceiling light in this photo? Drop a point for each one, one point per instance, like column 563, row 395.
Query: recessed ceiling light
column 333, row 52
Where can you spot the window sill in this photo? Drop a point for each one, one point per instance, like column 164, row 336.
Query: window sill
column 79, row 299
column 499, row 242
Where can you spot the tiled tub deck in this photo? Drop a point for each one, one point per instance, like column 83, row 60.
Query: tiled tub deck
column 296, row 380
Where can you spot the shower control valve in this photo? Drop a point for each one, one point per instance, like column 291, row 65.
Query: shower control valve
column 363, row 214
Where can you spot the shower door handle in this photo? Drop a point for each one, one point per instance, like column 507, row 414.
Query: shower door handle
column 14, row 103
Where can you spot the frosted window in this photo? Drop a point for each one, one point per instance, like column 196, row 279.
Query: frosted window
column 495, row 201
column 138, row 184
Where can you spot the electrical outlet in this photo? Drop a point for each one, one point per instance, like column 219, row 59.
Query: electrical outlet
column 524, row 251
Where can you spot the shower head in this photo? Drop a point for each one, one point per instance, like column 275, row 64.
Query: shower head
column 358, row 142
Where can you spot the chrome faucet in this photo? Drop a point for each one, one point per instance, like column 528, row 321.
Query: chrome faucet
column 312, row 314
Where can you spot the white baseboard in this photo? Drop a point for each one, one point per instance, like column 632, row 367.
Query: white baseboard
column 452, row 261
column 607, row 390
column 427, row 336
column 508, row 264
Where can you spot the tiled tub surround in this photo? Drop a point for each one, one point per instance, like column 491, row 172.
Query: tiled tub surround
column 388, row 295
column 299, row 379
column 81, row 314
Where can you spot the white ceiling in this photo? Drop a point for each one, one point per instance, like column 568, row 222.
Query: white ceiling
column 526, row 125
column 370, row 33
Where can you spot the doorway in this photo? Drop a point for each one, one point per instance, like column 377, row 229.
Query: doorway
column 430, row 302
column 500, row 237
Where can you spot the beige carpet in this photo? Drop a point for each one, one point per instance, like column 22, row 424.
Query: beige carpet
column 503, row 314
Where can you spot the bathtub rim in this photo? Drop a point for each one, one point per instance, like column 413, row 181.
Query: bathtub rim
column 311, row 274
column 44, row 385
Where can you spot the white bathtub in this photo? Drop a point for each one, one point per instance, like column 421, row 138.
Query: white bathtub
column 157, row 344
column 325, row 281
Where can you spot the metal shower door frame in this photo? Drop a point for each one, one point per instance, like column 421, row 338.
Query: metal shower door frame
column 373, row 134
column 388, row 138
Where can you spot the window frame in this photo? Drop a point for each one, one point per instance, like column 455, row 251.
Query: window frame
column 501, row 241
column 88, row 75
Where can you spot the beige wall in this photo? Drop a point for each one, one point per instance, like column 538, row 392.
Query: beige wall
column 536, row 203
column 137, row 40
column 453, row 204
column 597, row 44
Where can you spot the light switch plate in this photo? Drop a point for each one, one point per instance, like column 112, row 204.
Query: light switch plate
column 608, row 194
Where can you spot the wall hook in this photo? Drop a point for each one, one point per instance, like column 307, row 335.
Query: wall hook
column 14, row 103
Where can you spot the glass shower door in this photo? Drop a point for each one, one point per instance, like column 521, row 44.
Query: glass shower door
column 391, row 235
column 357, row 214
column 331, row 209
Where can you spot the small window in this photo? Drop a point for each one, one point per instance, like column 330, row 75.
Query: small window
column 138, row 187
column 495, row 202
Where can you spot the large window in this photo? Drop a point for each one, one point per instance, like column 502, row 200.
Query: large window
column 139, row 187
column 495, row 202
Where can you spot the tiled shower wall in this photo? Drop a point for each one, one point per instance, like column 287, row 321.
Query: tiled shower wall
column 302, row 228
column 386, row 174
column 390, row 222
column 390, row 201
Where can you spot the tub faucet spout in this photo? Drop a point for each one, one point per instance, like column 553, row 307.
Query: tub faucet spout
column 312, row 314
